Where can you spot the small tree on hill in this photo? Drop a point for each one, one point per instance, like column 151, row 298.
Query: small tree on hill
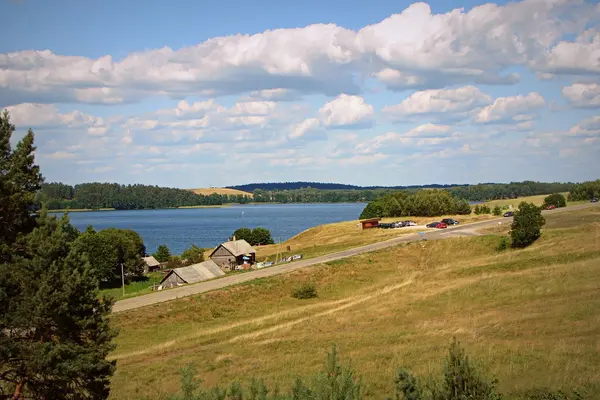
column 261, row 236
column 163, row 254
column 243, row 234
column 497, row 210
column 557, row 200
column 527, row 225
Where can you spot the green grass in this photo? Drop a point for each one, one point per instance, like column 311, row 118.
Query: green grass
column 529, row 316
column 134, row 289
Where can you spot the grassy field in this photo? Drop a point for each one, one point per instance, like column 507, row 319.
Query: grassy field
column 229, row 192
column 529, row 316
column 134, row 289
column 537, row 200
column 325, row 239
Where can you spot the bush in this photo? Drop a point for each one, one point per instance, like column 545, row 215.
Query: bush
column 174, row 262
column 557, row 200
column 193, row 255
column 527, row 225
column 306, row 291
column 497, row 210
column 257, row 236
column 504, row 244
column 162, row 254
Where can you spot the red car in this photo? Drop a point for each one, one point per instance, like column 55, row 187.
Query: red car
column 551, row 207
column 441, row 225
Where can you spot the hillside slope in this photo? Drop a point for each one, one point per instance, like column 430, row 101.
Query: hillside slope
column 222, row 191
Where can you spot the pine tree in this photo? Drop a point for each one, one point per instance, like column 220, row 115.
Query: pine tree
column 163, row 254
column 54, row 331
column 20, row 178
column 55, row 334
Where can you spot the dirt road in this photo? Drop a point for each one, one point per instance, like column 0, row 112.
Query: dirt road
column 433, row 234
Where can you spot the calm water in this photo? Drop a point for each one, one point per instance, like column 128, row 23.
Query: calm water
column 207, row 227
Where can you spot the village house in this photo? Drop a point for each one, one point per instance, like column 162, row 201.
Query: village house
column 232, row 254
column 191, row 274
column 151, row 264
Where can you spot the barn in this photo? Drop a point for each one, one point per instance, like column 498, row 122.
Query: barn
column 194, row 273
column 230, row 254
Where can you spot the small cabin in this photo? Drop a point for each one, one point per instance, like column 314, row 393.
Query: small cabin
column 229, row 255
column 370, row 223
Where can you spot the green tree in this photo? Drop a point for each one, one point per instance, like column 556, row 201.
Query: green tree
column 54, row 330
column 193, row 255
column 20, row 178
column 110, row 248
column 557, row 200
column 497, row 210
column 243, row 234
column 162, row 254
column 261, row 236
column 526, row 226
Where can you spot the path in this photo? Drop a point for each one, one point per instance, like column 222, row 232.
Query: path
column 172, row 294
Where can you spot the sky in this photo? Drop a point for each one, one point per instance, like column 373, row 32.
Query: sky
column 196, row 94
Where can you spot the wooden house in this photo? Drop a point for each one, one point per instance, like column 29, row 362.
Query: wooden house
column 191, row 274
column 230, row 254
column 151, row 264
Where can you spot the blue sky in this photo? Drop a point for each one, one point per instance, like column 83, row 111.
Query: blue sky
column 192, row 94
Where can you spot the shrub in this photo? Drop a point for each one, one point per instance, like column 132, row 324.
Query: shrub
column 306, row 291
column 497, row 210
column 526, row 226
column 193, row 255
column 261, row 236
column 174, row 262
column 557, row 200
column 162, row 254
column 504, row 244
column 243, row 234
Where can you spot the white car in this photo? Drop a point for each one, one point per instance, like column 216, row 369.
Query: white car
column 410, row 223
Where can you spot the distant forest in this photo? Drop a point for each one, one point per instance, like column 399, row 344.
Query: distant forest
column 251, row 187
column 131, row 197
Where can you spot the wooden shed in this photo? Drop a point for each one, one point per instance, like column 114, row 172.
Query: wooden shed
column 191, row 274
column 151, row 264
column 230, row 254
column 370, row 223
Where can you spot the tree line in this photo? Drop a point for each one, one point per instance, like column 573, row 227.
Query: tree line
column 59, row 196
column 423, row 203
column 585, row 191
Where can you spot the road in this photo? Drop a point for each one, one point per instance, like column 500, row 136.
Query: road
column 172, row 294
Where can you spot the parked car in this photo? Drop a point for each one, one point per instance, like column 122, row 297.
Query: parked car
column 509, row 214
column 433, row 224
column 450, row 221
column 399, row 224
column 551, row 207
column 441, row 225
column 410, row 223
column 594, row 200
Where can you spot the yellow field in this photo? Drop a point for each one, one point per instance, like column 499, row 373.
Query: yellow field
column 537, row 200
column 324, row 239
column 529, row 316
column 229, row 192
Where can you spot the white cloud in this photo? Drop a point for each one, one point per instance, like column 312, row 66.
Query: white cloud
column 346, row 111
column 421, row 136
column 455, row 102
column 583, row 95
column 511, row 109
column 29, row 115
column 59, row 155
column 587, row 127
column 412, row 49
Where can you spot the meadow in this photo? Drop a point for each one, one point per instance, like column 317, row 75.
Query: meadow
column 530, row 317
column 226, row 191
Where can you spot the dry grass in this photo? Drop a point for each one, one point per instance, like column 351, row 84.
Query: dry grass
column 324, row 239
column 530, row 316
column 537, row 200
column 229, row 192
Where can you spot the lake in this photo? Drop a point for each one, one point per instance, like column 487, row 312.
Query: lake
column 207, row 227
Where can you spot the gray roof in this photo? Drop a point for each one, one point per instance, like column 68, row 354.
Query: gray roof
column 238, row 247
column 151, row 261
column 198, row 272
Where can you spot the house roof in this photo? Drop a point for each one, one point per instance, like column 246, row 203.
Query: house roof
column 151, row 261
column 197, row 272
column 236, row 247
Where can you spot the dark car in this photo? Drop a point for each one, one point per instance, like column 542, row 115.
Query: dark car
column 594, row 200
column 450, row 221
column 509, row 214
column 433, row 224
